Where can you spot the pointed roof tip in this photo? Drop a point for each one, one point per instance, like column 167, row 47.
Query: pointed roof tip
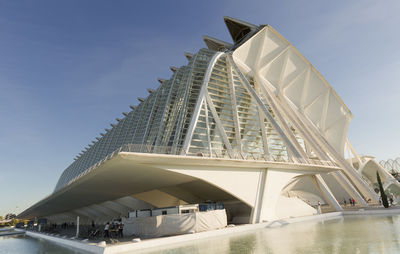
column 161, row 80
column 173, row 69
column 238, row 21
column 188, row 55
column 238, row 28
column 216, row 44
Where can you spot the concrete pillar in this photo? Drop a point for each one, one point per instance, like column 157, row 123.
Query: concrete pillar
column 255, row 212
column 77, row 227
column 275, row 181
column 321, row 186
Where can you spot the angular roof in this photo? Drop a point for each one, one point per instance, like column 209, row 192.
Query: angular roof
column 238, row 29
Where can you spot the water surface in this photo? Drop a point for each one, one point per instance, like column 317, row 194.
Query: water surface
column 351, row 234
column 21, row 244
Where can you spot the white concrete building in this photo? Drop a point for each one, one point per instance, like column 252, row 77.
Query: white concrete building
column 251, row 124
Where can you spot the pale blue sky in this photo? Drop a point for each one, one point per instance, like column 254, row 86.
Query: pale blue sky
column 69, row 68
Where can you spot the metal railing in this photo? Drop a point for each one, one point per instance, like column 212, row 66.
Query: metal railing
column 218, row 153
column 201, row 152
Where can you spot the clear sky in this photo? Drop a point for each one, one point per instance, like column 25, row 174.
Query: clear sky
column 69, row 68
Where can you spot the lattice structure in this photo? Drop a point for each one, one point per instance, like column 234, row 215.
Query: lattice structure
column 391, row 165
column 250, row 123
column 256, row 99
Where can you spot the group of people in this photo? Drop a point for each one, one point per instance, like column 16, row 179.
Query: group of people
column 352, row 202
column 390, row 199
column 115, row 226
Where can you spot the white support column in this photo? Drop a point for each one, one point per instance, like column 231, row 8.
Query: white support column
column 255, row 212
column 345, row 183
column 193, row 124
column 323, row 188
column 234, row 108
column 77, row 227
column 275, row 181
column 219, row 124
column 208, row 127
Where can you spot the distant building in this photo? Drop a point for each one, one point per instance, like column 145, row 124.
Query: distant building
column 251, row 124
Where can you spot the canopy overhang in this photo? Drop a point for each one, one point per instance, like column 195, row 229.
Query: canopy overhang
column 130, row 173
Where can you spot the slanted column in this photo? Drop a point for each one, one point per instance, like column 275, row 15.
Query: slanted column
column 255, row 212
column 275, row 181
column 345, row 183
column 322, row 188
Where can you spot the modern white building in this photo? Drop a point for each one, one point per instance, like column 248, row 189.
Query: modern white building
column 251, row 124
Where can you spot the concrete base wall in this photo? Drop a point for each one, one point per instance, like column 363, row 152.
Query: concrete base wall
column 93, row 248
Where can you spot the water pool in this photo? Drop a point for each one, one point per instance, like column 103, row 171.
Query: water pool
column 349, row 234
column 21, row 244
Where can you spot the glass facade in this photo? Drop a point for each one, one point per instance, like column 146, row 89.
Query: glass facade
column 158, row 124
column 247, row 134
column 207, row 108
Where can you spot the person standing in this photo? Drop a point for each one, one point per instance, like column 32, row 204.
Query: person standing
column 120, row 229
column 319, row 208
column 106, row 230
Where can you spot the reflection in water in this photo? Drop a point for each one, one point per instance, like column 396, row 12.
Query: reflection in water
column 245, row 244
column 351, row 234
column 27, row 245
